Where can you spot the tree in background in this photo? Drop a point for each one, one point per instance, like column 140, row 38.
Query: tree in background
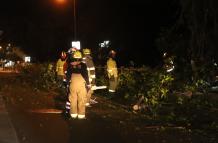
column 192, row 39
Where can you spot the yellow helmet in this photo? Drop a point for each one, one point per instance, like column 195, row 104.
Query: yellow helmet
column 77, row 55
column 86, row 51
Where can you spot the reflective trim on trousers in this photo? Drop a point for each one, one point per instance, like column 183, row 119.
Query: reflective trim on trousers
column 67, row 106
column 92, row 68
column 111, row 90
column 68, row 103
column 73, row 115
column 81, row 116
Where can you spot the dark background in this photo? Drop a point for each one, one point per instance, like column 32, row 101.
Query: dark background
column 43, row 28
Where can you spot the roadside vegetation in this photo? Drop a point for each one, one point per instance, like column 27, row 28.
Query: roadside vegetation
column 161, row 97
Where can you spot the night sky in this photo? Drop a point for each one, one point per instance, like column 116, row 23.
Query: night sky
column 43, row 28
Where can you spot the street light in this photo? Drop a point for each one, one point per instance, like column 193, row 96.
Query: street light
column 60, row 1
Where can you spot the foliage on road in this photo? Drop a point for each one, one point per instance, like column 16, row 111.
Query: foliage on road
column 188, row 104
column 153, row 85
column 41, row 76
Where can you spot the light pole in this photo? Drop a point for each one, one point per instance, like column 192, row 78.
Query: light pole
column 75, row 19
column 74, row 16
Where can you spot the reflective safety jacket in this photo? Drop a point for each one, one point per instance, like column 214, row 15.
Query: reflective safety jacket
column 112, row 68
column 59, row 67
column 90, row 68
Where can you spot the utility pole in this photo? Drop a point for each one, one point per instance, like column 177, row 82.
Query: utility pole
column 75, row 19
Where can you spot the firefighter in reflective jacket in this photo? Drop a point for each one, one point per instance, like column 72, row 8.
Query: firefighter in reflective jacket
column 67, row 78
column 112, row 71
column 87, row 59
column 168, row 62
column 79, row 83
column 59, row 67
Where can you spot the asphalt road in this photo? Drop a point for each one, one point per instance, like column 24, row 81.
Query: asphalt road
column 103, row 125
column 33, row 127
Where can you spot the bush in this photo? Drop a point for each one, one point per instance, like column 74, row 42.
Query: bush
column 41, row 76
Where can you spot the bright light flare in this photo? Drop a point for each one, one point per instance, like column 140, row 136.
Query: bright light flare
column 61, row 1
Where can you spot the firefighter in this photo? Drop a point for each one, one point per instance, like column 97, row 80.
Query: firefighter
column 112, row 72
column 87, row 59
column 168, row 62
column 50, row 68
column 78, row 85
column 67, row 77
column 59, row 67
